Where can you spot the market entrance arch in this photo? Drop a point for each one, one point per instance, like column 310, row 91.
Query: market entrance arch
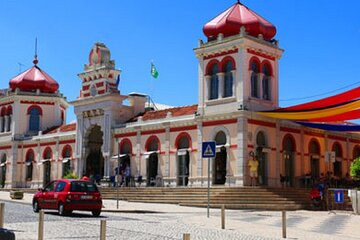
column 94, row 164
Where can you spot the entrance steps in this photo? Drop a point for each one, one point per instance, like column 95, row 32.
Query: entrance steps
column 232, row 197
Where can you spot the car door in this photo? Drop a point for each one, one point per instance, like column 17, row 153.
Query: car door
column 47, row 196
column 59, row 194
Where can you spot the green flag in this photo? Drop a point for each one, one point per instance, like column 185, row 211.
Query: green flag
column 154, row 72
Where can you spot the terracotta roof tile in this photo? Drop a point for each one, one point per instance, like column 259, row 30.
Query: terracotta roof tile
column 63, row 128
column 159, row 114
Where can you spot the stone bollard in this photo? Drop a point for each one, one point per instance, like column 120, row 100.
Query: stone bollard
column 41, row 225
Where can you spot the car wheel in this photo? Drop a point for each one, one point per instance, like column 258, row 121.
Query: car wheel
column 96, row 213
column 61, row 209
column 36, row 206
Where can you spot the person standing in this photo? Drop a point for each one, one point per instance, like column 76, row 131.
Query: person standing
column 253, row 165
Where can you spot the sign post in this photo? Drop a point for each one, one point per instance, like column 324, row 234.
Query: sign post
column 339, row 196
column 208, row 151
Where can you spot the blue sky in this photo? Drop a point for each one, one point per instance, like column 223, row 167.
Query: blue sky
column 320, row 38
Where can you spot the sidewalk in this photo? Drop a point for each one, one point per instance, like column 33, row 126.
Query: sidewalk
column 300, row 224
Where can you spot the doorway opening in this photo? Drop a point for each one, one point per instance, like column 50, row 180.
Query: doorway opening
column 94, row 160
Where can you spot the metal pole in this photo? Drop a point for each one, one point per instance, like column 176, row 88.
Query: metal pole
column 117, row 177
column 208, row 197
column 102, row 229
column 186, row 236
column 284, row 224
column 41, row 225
column 2, row 209
column 223, row 216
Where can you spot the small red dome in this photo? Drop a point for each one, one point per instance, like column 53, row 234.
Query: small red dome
column 230, row 21
column 32, row 79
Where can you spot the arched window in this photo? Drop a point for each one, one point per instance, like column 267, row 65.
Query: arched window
column 266, row 83
column 47, row 153
column 66, row 154
column 125, row 147
column 254, row 79
column 214, row 82
column 29, row 164
column 3, row 113
column 34, row 119
column 356, row 152
column 220, row 138
column 314, row 150
column 9, row 114
column 228, row 89
column 338, row 160
column 183, row 141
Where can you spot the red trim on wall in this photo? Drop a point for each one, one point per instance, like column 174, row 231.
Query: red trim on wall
column 226, row 60
column 354, row 141
column 180, row 129
column 120, row 135
column 86, row 94
column 233, row 146
column 47, row 144
column 67, row 141
column 220, row 122
column 153, row 132
column 85, row 87
column 314, row 134
column 99, row 84
column 221, row 54
column 6, row 103
column 101, row 92
column 261, row 123
column 250, row 146
column 27, row 146
column 337, row 138
column 290, row 130
column 36, row 102
column 5, row 147
column 251, row 51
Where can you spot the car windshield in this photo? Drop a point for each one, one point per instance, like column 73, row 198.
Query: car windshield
column 80, row 186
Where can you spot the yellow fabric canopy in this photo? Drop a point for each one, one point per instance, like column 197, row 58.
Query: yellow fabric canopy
column 308, row 115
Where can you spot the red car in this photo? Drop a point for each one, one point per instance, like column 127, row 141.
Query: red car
column 67, row 195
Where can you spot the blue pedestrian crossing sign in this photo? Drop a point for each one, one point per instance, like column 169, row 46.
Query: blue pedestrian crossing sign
column 208, row 149
column 339, row 195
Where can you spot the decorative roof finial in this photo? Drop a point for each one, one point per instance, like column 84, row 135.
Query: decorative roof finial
column 238, row 1
column 35, row 57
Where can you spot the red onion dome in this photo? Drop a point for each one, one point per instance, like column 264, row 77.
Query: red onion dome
column 230, row 21
column 33, row 79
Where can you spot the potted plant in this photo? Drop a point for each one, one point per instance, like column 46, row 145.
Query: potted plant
column 355, row 193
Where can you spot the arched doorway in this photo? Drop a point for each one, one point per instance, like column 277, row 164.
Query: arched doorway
column 47, row 155
column 219, row 165
column 94, row 160
column 66, row 162
column 152, row 161
column 314, row 150
column 337, row 165
column 3, row 171
column 183, row 160
column 288, row 157
column 125, row 163
column 262, row 158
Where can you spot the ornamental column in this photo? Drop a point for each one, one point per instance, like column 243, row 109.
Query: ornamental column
column 207, row 87
column 221, row 78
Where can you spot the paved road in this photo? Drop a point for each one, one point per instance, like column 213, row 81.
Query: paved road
column 171, row 221
column 161, row 226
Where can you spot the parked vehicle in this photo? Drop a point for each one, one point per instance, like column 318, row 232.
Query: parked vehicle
column 67, row 195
